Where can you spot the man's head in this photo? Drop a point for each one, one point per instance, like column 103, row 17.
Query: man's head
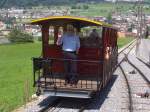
column 94, row 30
column 70, row 28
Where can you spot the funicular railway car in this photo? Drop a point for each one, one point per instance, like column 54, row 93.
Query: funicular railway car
column 96, row 60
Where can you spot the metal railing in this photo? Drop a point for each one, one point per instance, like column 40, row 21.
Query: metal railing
column 45, row 77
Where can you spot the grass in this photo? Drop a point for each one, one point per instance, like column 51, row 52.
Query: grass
column 93, row 10
column 16, row 69
column 123, row 41
column 101, row 9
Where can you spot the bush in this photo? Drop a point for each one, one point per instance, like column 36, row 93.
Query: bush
column 17, row 36
column 39, row 38
column 73, row 7
column 76, row 7
column 85, row 6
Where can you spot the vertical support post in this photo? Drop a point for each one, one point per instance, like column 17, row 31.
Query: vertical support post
column 116, row 47
column 140, row 24
column 78, row 29
column 56, row 29
column 45, row 37
column 64, row 28
column 104, row 51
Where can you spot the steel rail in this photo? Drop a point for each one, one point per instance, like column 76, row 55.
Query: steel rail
column 131, row 108
column 127, row 46
column 148, row 65
column 129, row 89
column 141, row 73
column 125, row 77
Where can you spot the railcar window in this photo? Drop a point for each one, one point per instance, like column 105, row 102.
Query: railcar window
column 91, row 36
column 60, row 32
column 85, row 32
column 51, row 35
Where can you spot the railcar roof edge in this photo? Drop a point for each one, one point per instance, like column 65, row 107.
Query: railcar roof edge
column 58, row 18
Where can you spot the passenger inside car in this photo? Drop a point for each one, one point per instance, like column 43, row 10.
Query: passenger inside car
column 91, row 40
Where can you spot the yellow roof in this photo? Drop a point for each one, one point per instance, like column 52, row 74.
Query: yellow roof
column 62, row 20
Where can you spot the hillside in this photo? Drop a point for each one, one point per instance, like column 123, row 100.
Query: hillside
column 28, row 3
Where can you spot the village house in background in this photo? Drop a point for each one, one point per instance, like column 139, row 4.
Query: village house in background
column 126, row 23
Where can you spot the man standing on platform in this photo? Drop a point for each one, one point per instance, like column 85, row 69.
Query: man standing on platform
column 70, row 45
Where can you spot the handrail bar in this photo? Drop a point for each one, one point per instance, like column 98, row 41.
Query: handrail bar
column 62, row 59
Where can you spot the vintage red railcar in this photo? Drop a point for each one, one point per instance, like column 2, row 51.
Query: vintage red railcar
column 95, row 63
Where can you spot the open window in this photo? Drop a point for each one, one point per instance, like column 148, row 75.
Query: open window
column 91, row 36
column 54, row 34
column 51, row 35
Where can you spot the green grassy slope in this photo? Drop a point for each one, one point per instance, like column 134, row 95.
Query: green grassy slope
column 123, row 41
column 15, row 69
column 101, row 9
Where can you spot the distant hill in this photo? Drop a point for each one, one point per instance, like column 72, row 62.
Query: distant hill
column 29, row 3
column 146, row 1
column 122, row 0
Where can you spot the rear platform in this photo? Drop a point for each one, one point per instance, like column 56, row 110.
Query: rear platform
column 57, row 87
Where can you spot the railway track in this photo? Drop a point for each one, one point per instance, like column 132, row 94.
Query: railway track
column 147, row 64
column 140, row 72
column 137, row 86
column 136, row 83
column 127, row 50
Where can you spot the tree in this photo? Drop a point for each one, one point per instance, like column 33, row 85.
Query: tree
column 17, row 36
column 73, row 7
column 85, row 6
